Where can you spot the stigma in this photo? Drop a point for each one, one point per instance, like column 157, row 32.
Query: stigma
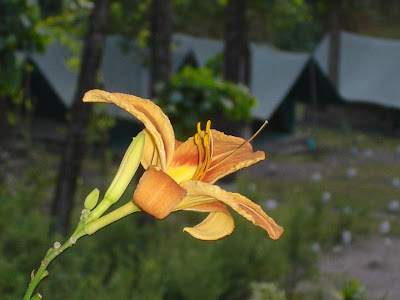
column 204, row 142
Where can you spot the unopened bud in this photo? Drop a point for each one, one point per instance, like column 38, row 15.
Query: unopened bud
column 85, row 214
column 127, row 169
column 91, row 199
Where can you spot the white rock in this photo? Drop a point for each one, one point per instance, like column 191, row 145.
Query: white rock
column 347, row 210
column 368, row 153
column 395, row 182
column 351, row 172
column 272, row 167
column 317, row 176
column 315, row 247
column 398, row 149
column 353, row 150
column 271, row 204
column 337, row 248
column 384, row 228
column 393, row 206
column 326, row 196
column 346, row 237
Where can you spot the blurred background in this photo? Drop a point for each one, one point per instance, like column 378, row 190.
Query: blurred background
column 324, row 73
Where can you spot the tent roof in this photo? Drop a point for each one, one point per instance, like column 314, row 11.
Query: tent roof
column 204, row 49
column 369, row 68
column 122, row 71
column 273, row 71
column 273, row 74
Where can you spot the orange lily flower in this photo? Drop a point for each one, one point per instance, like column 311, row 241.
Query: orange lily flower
column 180, row 176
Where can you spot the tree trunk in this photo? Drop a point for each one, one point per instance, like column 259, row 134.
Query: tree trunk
column 335, row 23
column 160, row 44
column 80, row 113
column 237, row 51
column 237, row 66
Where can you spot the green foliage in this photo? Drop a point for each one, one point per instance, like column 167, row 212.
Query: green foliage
column 20, row 27
column 195, row 94
column 353, row 290
column 20, row 31
column 266, row 291
column 294, row 26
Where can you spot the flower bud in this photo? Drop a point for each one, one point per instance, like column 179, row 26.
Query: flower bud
column 127, row 169
column 91, row 199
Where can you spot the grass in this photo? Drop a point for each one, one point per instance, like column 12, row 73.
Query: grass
column 358, row 204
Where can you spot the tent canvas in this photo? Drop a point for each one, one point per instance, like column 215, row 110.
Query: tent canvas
column 369, row 68
column 122, row 71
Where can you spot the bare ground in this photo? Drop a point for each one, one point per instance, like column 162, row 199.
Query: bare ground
column 375, row 263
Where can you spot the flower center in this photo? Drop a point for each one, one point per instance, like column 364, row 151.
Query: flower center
column 204, row 142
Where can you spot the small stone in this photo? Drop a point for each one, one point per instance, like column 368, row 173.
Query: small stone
column 351, row 172
column 346, row 210
column 326, row 196
column 316, row 177
column 271, row 204
column 368, row 153
column 398, row 149
column 396, row 182
column 337, row 249
column 384, row 228
column 387, row 242
column 393, row 206
column 315, row 247
column 252, row 187
column 353, row 151
column 346, row 237
column 272, row 167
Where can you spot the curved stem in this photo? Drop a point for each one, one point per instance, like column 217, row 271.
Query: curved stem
column 51, row 254
column 111, row 217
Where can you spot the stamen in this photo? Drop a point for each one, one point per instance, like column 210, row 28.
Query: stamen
column 208, row 126
column 205, row 154
column 244, row 143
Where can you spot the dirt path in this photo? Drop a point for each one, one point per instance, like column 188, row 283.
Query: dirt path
column 375, row 264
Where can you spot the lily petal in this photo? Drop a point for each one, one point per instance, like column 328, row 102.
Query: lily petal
column 239, row 203
column 153, row 118
column 224, row 162
column 150, row 155
column 157, row 193
column 218, row 224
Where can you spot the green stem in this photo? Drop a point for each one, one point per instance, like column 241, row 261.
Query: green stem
column 82, row 229
column 51, row 254
column 113, row 216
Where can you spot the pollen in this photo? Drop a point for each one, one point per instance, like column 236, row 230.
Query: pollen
column 204, row 142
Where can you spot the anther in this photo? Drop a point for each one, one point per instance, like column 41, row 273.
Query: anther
column 208, row 126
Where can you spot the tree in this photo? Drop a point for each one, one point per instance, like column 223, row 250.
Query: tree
column 73, row 153
column 160, row 44
column 19, row 22
column 237, row 53
column 335, row 26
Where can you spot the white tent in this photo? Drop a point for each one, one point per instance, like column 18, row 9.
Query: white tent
column 122, row 71
column 369, row 69
column 273, row 72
